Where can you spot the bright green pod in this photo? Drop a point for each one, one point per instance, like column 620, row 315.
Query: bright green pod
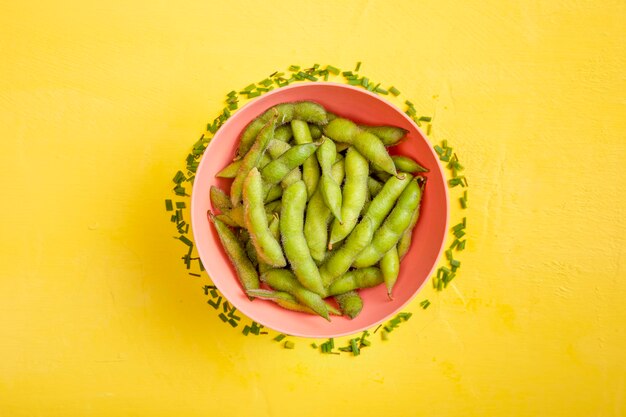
column 236, row 253
column 318, row 216
column 374, row 186
column 405, row 241
column 219, row 199
column 283, row 133
column 340, row 260
column 356, row 279
column 388, row 235
column 267, row 247
column 354, row 195
column 388, row 135
column 251, row 160
column 406, row 164
column 288, row 301
column 350, row 303
column 384, row 201
column 310, row 167
column 390, row 267
column 230, row 171
column 316, row 131
column 274, row 228
column 331, row 191
column 279, row 168
column 285, row 280
column 294, row 242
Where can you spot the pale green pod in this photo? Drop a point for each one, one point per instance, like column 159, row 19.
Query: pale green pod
column 356, row 279
column 310, row 167
column 390, row 267
column 279, row 168
column 384, row 201
column 294, row 242
column 406, row 164
column 219, row 199
column 354, row 195
column 285, row 280
column 287, row 301
column 350, row 303
column 274, row 228
column 267, row 247
column 405, row 241
column 388, row 135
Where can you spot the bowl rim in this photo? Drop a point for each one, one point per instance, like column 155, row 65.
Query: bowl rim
column 243, row 308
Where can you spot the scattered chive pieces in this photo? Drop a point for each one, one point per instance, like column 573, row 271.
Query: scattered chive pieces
column 233, row 323
column 185, row 240
column 347, row 73
column 254, row 94
column 314, row 345
column 358, row 66
column 355, row 349
column 393, row 90
column 455, row 263
column 280, row 337
column 180, row 205
column 332, row 70
column 384, row 335
column 366, row 342
column 289, row 345
column 459, row 234
column 425, row 119
column 381, row 90
column 459, row 226
column 365, row 81
column 246, row 330
column 462, row 245
column 354, row 82
column 379, row 326
column 223, row 317
column 194, row 274
column 168, row 205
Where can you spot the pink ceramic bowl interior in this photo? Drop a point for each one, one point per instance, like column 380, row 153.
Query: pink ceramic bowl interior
column 428, row 236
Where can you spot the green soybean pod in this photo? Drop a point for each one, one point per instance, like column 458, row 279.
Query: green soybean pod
column 318, row 216
column 294, row 242
column 395, row 224
column 310, row 167
column 219, row 199
column 350, row 303
column 267, row 247
column 284, row 113
column 373, row 149
column 346, row 131
column 316, row 131
column 341, row 259
column 230, row 171
column 251, row 160
column 342, row 146
column 276, row 149
column 287, row 301
column 283, row 133
column 356, row 279
column 406, row 164
column 354, row 195
column 374, row 186
column 245, row 270
column 390, row 267
column 274, row 193
column 331, row 191
column 235, row 215
column 279, row 168
column 284, row 280
column 311, row 112
column 405, row 241
column 388, row 135
column 384, row 201
column 273, row 207
column 227, row 220
column 274, row 228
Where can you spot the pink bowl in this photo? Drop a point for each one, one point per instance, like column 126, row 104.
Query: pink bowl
column 428, row 236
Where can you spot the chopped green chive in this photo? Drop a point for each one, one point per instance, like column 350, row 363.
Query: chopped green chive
column 185, row 240
column 289, row 345
column 381, row 90
column 194, row 274
column 354, row 82
column 347, row 73
column 168, row 205
column 379, row 326
column 355, row 349
column 254, row 94
column 332, row 70
column 393, row 90
column 384, row 335
column 314, row 345
column 358, row 66
column 280, row 337
column 365, row 82
column 180, row 205
column 425, row 119
column 455, row 263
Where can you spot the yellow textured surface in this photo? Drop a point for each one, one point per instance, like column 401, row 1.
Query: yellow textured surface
column 99, row 104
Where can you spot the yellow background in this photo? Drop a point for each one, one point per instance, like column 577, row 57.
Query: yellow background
column 99, row 104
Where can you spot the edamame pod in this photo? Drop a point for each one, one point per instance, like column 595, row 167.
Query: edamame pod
column 274, row 193
column 350, row 303
column 276, row 149
column 390, row 267
column 384, row 201
column 283, row 133
column 294, row 242
column 219, row 199
column 267, row 247
column 318, row 216
column 388, row 235
column 227, row 220
column 286, row 112
column 279, row 168
column 406, row 164
column 274, row 228
column 230, row 171
column 354, row 195
column 251, row 160
column 340, row 260
column 405, row 241
column 310, row 167
column 374, row 186
column 245, row 270
column 388, row 135
column 343, row 130
column 284, row 280
column 316, row 131
column 287, row 301
column 331, row 191
column 355, row 279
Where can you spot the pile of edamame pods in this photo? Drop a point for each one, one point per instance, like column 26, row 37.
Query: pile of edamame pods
column 317, row 208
